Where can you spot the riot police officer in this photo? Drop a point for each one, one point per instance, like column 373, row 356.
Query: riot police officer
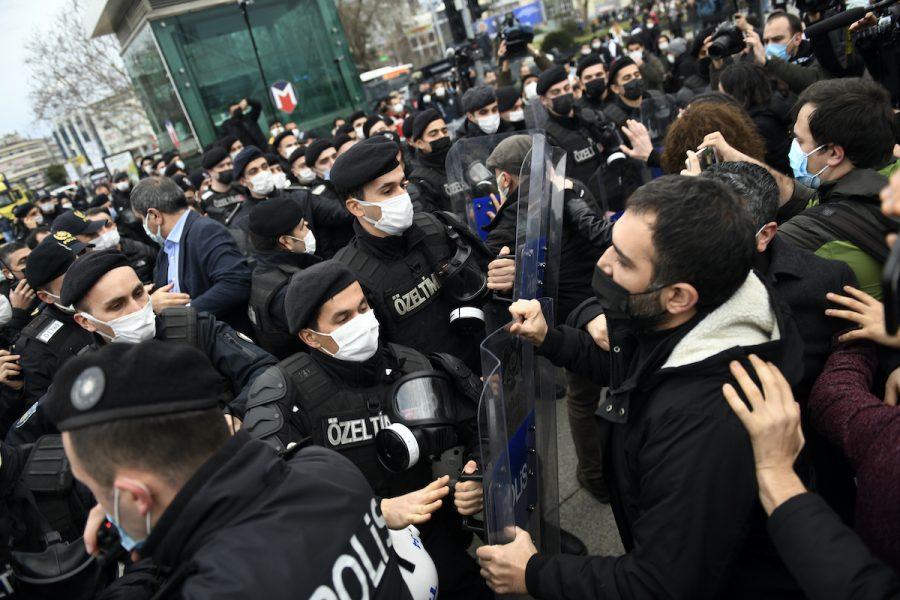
column 228, row 515
column 52, row 337
column 350, row 391
column 285, row 244
column 423, row 274
column 221, row 200
column 482, row 112
column 591, row 71
column 431, row 140
column 110, row 304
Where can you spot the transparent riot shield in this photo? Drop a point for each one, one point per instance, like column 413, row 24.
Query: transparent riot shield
column 470, row 182
column 657, row 113
column 517, row 413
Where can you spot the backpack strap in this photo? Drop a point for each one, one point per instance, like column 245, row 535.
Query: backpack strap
column 367, row 268
column 846, row 222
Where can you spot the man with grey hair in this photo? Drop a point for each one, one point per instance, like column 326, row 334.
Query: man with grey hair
column 200, row 264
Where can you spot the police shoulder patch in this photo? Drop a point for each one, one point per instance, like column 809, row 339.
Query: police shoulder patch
column 28, row 413
column 88, row 388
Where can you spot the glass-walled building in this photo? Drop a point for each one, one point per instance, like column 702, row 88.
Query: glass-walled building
column 190, row 60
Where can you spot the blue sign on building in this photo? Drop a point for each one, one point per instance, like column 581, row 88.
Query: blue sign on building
column 530, row 14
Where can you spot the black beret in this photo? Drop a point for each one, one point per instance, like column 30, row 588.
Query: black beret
column 227, row 141
column 98, row 200
column 422, row 121
column 314, row 150
column 243, row 157
column 278, row 138
column 506, row 98
column 357, row 115
column 477, row 98
column 617, row 66
column 589, row 61
column 76, row 223
column 275, row 217
column 312, row 287
column 196, row 178
column 305, row 136
column 510, row 154
column 122, row 381
column 341, row 139
column 371, row 121
column 171, row 170
column 214, row 156
column 549, row 78
column 52, row 258
column 168, row 156
column 183, row 182
column 272, row 158
column 86, row 271
column 296, row 155
column 23, row 209
column 345, row 128
column 363, row 162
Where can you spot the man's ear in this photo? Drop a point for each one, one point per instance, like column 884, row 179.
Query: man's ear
column 471, row 116
column 679, row 298
column 284, row 242
column 420, row 145
column 765, row 236
column 354, row 207
column 84, row 323
column 836, row 155
column 307, row 337
column 43, row 296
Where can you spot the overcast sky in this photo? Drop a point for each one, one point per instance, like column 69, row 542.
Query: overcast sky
column 18, row 18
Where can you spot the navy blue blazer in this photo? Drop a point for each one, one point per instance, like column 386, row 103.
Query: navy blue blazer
column 211, row 269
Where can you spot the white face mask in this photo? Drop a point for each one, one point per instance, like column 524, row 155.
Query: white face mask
column 123, row 186
column 66, row 308
column 46, row 207
column 516, row 116
column 67, row 205
column 156, row 237
column 281, row 181
column 636, row 55
column 262, row 183
column 357, row 339
column 180, row 164
column 663, row 46
column 359, row 133
column 489, row 125
column 398, row 107
column 306, row 175
column 289, row 150
column 39, row 220
column 426, row 98
column 234, row 154
column 5, row 310
column 107, row 241
column 396, row 214
column 531, row 90
column 309, row 242
column 135, row 328
column 440, row 92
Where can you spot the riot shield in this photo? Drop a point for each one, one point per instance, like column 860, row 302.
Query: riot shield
column 657, row 113
column 470, row 182
column 517, row 413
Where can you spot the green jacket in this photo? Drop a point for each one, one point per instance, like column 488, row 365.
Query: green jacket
column 842, row 220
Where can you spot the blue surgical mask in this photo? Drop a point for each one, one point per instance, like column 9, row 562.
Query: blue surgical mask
column 156, row 237
column 798, row 159
column 326, row 175
column 129, row 543
column 778, row 51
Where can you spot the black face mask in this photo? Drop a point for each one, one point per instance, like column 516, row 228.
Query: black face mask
column 440, row 146
column 225, row 177
column 595, row 88
column 562, row 105
column 616, row 300
column 634, row 89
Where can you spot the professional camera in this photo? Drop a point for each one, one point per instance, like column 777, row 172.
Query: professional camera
column 605, row 133
column 727, row 40
column 431, row 413
column 517, row 37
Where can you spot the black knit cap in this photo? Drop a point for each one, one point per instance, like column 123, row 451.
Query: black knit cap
column 214, row 156
column 122, row 381
column 506, row 98
column 371, row 121
column 314, row 150
column 363, row 162
column 52, row 258
column 590, row 60
column 276, row 216
column 23, row 209
column 422, row 121
column 86, row 271
column 312, row 287
column 617, row 66
column 244, row 157
column 341, row 139
column 549, row 78
column 357, row 115
column 280, row 137
column 477, row 98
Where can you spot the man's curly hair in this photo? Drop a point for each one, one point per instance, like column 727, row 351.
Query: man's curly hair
column 702, row 118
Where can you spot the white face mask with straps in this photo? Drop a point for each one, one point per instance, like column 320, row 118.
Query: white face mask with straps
column 396, row 214
column 135, row 328
column 357, row 339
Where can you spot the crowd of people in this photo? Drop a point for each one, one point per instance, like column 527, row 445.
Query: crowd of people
column 261, row 376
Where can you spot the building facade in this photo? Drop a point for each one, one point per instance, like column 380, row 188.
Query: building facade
column 192, row 59
column 24, row 161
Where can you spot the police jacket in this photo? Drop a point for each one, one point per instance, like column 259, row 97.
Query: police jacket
column 45, row 344
column 250, row 523
column 581, row 146
column 679, row 462
column 271, row 275
column 399, row 276
column 222, row 206
column 141, row 257
column 238, row 360
column 430, row 175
